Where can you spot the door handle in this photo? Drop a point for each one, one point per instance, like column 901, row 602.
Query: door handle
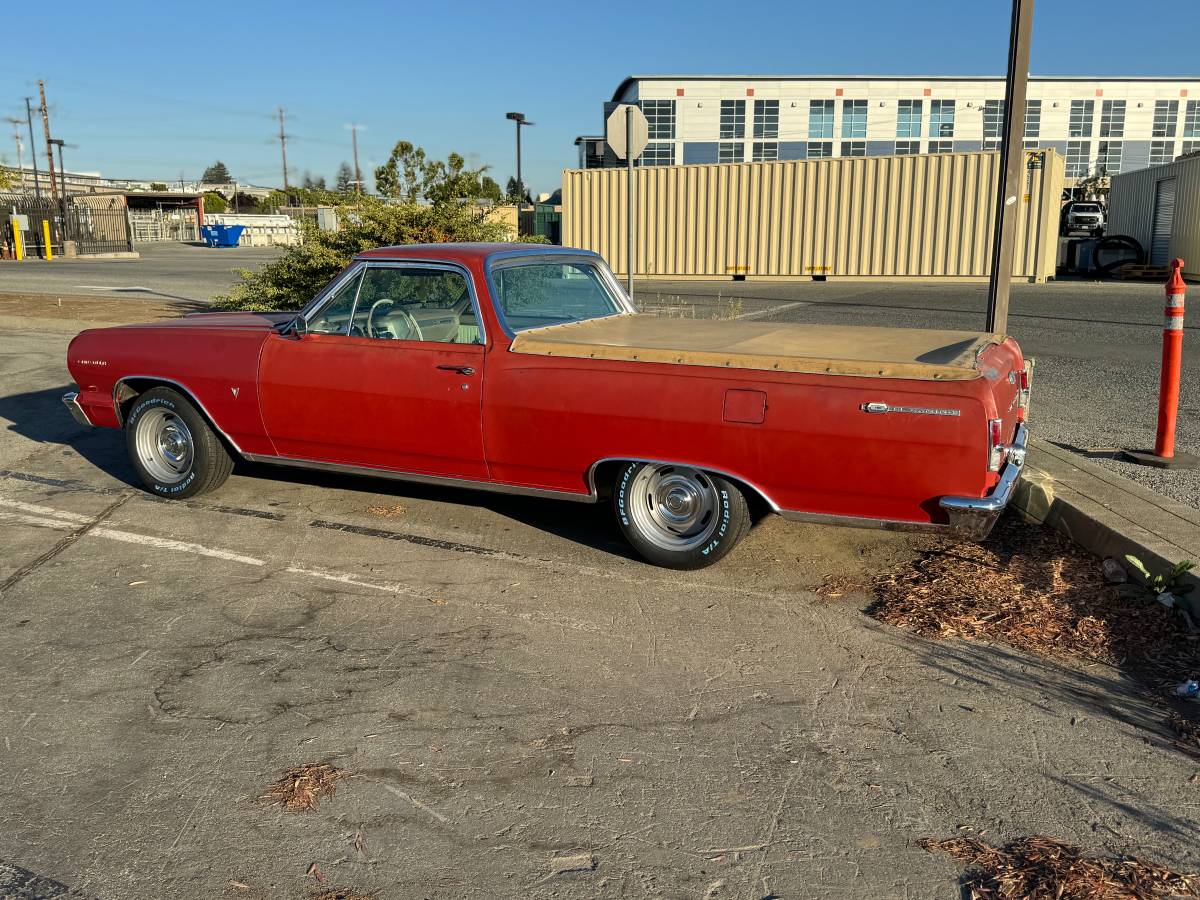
column 461, row 370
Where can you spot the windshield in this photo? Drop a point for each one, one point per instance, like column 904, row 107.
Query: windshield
column 533, row 294
column 1087, row 208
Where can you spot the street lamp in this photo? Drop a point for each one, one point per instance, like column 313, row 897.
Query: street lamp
column 520, row 119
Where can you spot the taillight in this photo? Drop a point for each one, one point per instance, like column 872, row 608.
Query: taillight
column 996, row 446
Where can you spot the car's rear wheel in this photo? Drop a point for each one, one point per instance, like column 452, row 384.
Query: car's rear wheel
column 172, row 447
column 678, row 516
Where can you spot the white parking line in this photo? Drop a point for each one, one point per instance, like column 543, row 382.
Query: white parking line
column 45, row 511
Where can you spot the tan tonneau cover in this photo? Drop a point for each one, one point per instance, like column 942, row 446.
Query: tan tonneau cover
column 783, row 347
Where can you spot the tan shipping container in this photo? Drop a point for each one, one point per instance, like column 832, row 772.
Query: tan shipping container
column 1160, row 207
column 887, row 217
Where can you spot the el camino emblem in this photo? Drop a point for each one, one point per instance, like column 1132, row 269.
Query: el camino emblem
column 912, row 410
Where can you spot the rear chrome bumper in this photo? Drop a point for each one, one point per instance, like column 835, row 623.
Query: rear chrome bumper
column 71, row 401
column 972, row 518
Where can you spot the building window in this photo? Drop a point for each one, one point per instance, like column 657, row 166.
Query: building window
column 908, row 148
column 1033, row 118
column 820, row 118
column 765, row 151
column 1082, row 113
column 854, row 119
column 1031, row 145
column 941, row 118
column 1108, row 158
column 1191, row 119
column 1190, row 147
column 993, row 123
column 1161, row 152
column 733, row 119
column 854, row 148
column 660, row 154
column 1166, row 118
column 819, row 149
column 1077, row 158
column 908, row 118
column 731, row 151
column 766, row 119
column 1112, row 118
column 660, row 114
column 941, row 146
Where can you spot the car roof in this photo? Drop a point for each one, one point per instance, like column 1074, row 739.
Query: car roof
column 469, row 250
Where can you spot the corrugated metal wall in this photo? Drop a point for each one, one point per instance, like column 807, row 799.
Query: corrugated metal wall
column 1131, row 209
column 887, row 216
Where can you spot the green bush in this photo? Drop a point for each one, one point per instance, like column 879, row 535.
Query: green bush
column 214, row 202
column 292, row 280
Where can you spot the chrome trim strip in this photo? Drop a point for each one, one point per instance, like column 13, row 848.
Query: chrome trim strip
column 442, row 480
column 592, row 487
column 793, row 515
column 191, row 395
column 71, row 400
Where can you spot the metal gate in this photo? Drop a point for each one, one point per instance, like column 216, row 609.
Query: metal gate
column 1164, row 222
column 93, row 230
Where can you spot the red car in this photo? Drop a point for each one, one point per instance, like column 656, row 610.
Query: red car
column 525, row 369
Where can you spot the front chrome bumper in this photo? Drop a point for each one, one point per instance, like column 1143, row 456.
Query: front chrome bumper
column 71, row 401
column 972, row 518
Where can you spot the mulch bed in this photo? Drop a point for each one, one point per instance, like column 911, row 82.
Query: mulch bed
column 1033, row 588
column 1041, row 868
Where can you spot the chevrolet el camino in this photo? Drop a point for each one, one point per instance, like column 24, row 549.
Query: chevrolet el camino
column 526, row 369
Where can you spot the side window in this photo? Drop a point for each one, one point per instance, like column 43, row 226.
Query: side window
column 414, row 303
column 334, row 317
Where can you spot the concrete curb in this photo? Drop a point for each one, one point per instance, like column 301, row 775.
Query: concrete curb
column 1105, row 513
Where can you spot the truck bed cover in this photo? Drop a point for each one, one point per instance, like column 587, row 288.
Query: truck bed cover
column 862, row 351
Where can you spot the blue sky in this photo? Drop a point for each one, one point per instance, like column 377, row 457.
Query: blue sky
column 154, row 90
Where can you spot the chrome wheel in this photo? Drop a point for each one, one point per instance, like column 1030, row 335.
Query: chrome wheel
column 674, row 507
column 164, row 445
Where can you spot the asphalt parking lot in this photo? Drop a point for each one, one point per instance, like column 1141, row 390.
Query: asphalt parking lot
column 511, row 691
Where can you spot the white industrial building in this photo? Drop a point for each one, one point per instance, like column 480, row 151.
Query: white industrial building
column 1099, row 125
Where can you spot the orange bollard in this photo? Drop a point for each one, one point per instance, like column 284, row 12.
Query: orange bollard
column 1164, row 455
column 1172, row 357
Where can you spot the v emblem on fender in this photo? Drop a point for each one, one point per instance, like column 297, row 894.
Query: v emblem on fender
column 235, row 392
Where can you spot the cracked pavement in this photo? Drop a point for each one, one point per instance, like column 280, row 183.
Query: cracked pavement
column 511, row 691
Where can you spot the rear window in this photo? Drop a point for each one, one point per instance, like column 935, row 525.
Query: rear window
column 534, row 294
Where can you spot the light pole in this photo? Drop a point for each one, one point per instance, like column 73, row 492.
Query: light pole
column 520, row 119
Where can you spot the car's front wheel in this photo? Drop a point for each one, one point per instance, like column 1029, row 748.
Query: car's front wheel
column 172, row 447
column 677, row 516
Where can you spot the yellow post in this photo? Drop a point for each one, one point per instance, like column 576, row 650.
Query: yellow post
column 46, row 233
column 18, row 244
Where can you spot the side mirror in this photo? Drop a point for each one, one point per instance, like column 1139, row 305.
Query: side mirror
column 297, row 328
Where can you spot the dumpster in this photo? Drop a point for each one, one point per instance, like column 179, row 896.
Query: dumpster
column 222, row 235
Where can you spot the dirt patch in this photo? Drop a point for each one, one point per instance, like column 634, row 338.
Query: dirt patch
column 341, row 894
column 1038, row 867
column 1034, row 589
column 303, row 787
column 386, row 512
column 79, row 308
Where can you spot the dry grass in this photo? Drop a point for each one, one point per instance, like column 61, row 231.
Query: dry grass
column 1032, row 588
column 303, row 787
column 1040, row 868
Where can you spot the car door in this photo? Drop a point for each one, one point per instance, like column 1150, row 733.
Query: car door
column 385, row 372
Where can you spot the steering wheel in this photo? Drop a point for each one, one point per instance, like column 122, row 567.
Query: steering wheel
column 414, row 329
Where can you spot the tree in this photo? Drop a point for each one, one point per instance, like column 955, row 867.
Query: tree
column 345, row 179
column 158, row 186
column 512, row 192
column 403, row 175
column 214, row 202
column 489, row 189
column 217, row 173
column 292, row 280
column 7, row 177
column 409, row 175
column 313, row 184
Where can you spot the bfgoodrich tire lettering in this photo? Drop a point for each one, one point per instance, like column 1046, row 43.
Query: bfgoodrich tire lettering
column 678, row 516
column 172, row 448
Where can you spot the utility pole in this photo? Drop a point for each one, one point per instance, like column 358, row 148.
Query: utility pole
column 357, row 173
column 283, row 150
column 16, row 124
column 49, row 146
column 62, row 169
column 1012, row 156
column 37, row 188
